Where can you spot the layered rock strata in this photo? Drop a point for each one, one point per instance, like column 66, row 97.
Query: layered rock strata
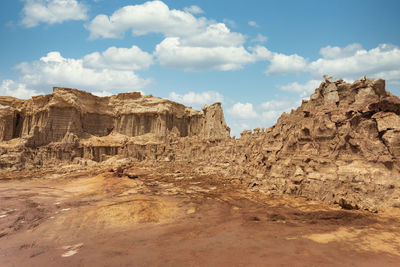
column 69, row 113
column 341, row 146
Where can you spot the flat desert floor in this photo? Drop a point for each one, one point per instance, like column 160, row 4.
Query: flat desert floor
column 172, row 215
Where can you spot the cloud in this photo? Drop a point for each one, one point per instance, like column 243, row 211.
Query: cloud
column 393, row 76
column 197, row 99
column 15, row 89
column 215, row 35
column 253, row 24
column 193, row 9
column 190, row 43
column 102, row 93
column 119, row 59
column 335, row 52
column 156, row 17
column 243, row 111
column 52, row 11
column 350, row 63
column 273, row 109
column 259, row 39
column 237, row 126
column 275, row 105
column 248, row 116
column 303, row 89
column 282, row 64
column 353, row 62
column 172, row 53
column 55, row 70
column 149, row 17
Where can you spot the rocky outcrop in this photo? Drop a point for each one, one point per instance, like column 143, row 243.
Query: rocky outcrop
column 70, row 112
column 214, row 123
column 340, row 146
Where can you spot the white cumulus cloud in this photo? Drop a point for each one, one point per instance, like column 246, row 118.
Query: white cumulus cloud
column 282, row 64
column 15, row 89
column 350, row 63
column 244, row 111
column 156, row 17
column 302, row 88
column 242, row 116
column 55, row 70
column 335, row 52
column 172, row 53
column 191, row 43
column 102, row 93
column 119, row 58
column 215, row 35
column 273, row 109
column 382, row 61
column 197, row 99
column 52, row 11
column 149, row 17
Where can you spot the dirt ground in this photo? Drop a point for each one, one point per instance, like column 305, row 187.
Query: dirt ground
column 173, row 215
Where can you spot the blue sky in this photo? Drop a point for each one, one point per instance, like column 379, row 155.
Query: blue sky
column 259, row 58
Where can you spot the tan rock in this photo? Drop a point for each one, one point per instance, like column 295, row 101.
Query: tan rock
column 387, row 121
column 343, row 145
column 45, row 119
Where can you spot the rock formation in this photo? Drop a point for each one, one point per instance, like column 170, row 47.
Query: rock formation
column 341, row 146
column 70, row 112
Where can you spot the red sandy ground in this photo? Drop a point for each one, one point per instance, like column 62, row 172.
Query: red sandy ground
column 171, row 216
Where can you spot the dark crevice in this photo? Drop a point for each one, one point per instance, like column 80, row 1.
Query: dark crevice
column 349, row 114
column 306, row 131
column 388, row 165
column 339, row 124
column 17, row 126
column 368, row 114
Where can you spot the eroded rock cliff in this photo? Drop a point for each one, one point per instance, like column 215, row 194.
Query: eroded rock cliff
column 340, row 146
column 70, row 112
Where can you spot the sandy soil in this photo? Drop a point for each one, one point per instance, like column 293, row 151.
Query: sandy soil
column 170, row 215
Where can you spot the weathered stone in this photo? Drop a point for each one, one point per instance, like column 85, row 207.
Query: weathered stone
column 214, row 122
column 392, row 140
column 45, row 119
column 347, row 136
column 7, row 122
column 387, row 121
column 343, row 145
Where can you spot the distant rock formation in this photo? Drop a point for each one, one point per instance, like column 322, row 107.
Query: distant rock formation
column 70, row 112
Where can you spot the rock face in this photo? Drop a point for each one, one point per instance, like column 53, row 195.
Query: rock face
column 70, row 112
column 341, row 146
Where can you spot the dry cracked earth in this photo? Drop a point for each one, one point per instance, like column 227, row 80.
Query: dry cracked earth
column 172, row 214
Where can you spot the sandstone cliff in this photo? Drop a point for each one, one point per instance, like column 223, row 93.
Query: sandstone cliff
column 70, row 112
column 340, row 146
